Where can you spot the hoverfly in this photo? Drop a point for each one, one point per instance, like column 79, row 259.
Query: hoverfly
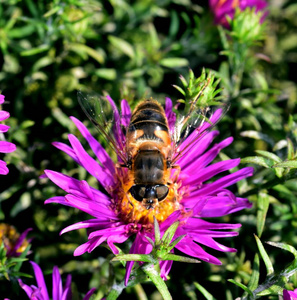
column 149, row 150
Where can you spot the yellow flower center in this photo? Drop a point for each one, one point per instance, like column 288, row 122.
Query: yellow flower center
column 9, row 236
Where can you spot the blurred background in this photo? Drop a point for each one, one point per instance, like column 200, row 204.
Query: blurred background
column 132, row 50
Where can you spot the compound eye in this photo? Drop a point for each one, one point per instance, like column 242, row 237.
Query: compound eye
column 162, row 192
column 137, row 192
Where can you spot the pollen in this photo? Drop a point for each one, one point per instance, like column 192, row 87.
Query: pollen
column 133, row 211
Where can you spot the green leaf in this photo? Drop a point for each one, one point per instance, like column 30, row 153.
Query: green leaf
column 254, row 281
column 108, row 74
column 37, row 50
column 245, row 288
column 122, row 45
column 287, row 164
column 81, row 48
column 174, row 62
column 265, row 257
column 258, row 160
column 262, row 208
column 203, row 291
column 269, row 155
column 180, row 258
column 257, row 136
column 133, row 257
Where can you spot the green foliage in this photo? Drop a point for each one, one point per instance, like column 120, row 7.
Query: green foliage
column 135, row 50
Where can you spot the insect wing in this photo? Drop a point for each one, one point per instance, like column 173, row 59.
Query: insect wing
column 103, row 114
column 198, row 123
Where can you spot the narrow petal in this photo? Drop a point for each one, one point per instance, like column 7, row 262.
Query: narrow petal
column 196, row 149
column 228, row 180
column 117, row 124
column 224, row 205
column 211, row 171
column 68, row 150
column 29, row 291
column 4, row 128
column 2, row 97
column 4, row 115
column 89, row 294
column 186, row 245
column 98, row 150
column 7, row 147
column 171, row 117
column 126, row 113
column 57, row 289
column 40, row 280
column 106, row 180
column 3, row 169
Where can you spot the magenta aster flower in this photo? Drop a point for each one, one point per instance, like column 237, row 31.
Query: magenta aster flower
column 117, row 215
column 290, row 295
column 5, row 147
column 14, row 243
column 59, row 292
column 223, row 8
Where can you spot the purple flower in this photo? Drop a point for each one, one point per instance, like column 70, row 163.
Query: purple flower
column 195, row 196
column 58, row 291
column 5, row 147
column 223, row 8
column 14, row 243
column 290, row 295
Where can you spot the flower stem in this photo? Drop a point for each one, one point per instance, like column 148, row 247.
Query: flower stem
column 150, row 271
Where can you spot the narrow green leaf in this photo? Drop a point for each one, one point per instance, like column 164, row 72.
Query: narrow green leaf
column 257, row 136
column 122, row 45
column 254, row 281
column 265, row 257
column 204, row 292
column 157, row 231
column 133, row 257
column 37, row 50
column 108, row 74
column 52, row 11
column 169, row 233
column 174, row 62
column 269, row 155
column 175, row 242
column 262, row 208
column 179, row 89
column 184, row 81
column 180, row 258
column 258, row 160
column 285, row 247
column 291, row 153
column 95, row 54
column 245, row 288
column 287, row 164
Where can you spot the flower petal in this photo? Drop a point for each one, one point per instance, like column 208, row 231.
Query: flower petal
column 57, row 288
column 40, row 280
column 98, row 150
column 126, row 113
column 7, row 147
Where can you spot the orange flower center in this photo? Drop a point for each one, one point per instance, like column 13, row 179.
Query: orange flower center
column 133, row 211
column 9, row 236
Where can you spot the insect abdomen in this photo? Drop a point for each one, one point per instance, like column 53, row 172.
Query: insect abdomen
column 148, row 118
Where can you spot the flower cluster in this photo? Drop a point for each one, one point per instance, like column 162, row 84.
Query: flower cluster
column 58, row 291
column 115, row 220
column 223, row 8
column 5, row 147
column 14, row 243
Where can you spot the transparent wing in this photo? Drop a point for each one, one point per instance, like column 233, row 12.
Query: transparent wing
column 102, row 114
column 190, row 127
